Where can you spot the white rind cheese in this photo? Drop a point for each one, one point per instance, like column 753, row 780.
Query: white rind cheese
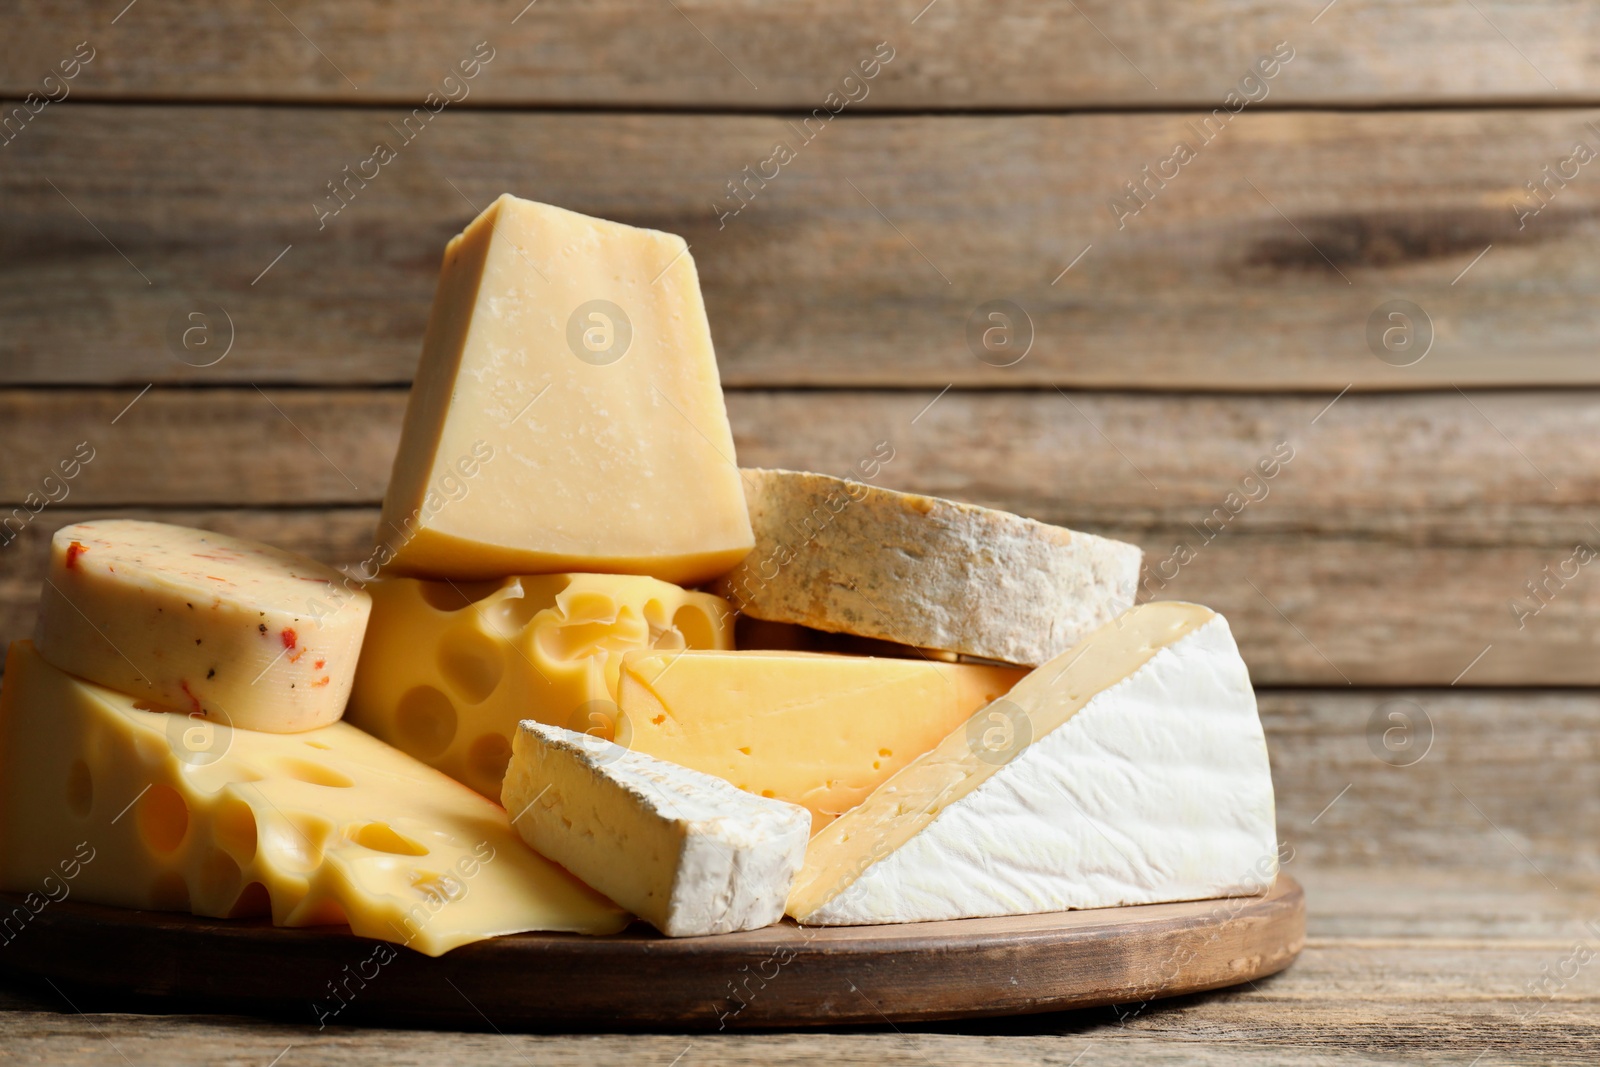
column 1156, row 789
column 683, row 850
column 851, row 558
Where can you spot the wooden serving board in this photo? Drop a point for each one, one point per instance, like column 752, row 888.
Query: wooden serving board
column 780, row 976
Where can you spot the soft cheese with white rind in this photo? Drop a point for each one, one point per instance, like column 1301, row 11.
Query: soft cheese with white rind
column 241, row 632
column 684, row 850
column 851, row 558
column 155, row 809
column 1131, row 770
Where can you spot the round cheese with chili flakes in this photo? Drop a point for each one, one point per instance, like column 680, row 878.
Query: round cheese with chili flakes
column 235, row 631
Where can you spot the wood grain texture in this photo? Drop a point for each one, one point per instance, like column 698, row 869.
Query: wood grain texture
column 779, row 976
column 1347, row 1001
column 1370, row 558
column 1255, row 268
column 764, row 56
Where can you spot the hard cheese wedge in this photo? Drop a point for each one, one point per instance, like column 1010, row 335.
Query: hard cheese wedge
column 851, row 558
column 449, row 668
column 327, row 826
column 241, row 632
column 1130, row 770
column 686, row 851
column 567, row 414
column 818, row 730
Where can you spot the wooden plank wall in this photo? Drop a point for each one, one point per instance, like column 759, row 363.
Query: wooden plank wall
column 1192, row 311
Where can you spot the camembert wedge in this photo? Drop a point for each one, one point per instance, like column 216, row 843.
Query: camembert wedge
column 1131, row 769
column 686, row 851
column 330, row 826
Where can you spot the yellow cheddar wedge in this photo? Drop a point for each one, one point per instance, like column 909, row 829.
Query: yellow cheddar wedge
column 448, row 669
column 160, row 810
column 566, row 414
column 821, row 731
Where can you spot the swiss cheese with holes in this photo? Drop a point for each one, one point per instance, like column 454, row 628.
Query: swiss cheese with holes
column 449, row 668
column 330, row 826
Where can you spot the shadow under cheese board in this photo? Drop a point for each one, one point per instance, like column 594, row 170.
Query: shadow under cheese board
column 782, row 975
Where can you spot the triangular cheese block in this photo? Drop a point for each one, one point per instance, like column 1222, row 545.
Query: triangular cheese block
column 1131, row 769
column 156, row 809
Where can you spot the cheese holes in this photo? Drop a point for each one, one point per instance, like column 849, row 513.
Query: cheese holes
column 425, row 721
column 234, row 828
column 489, row 756
column 253, row 902
column 381, row 837
column 302, row 770
column 219, row 880
column 471, row 663
column 453, row 596
column 169, row 892
column 163, row 818
column 699, row 630
column 80, row 789
column 324, row 912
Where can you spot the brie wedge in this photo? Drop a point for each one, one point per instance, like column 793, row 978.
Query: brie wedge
column 1131, row 769
column 689, row 853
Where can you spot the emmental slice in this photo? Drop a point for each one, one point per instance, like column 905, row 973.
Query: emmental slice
column 449, row 668
column 818, row 730
column 686, row 851
column 1130, row 770
column 243, row 633
column 163, row 811
column 843, row 556
column 566, row 414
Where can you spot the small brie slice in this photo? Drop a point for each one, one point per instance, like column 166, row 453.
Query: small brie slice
column 1131, row 769
column 688, row 852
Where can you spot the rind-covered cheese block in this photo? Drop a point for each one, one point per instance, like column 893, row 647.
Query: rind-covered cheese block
column 327, row 826
column 815, row 729
column 449, row 668
column 1130, row 770
column 566, row 414
column 241, row 632
column 851, row 558
column 685, row 851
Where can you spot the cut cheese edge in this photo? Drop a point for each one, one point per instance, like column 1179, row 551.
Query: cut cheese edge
column 851, row 558
column 322, row 827
column 818, row 730
column 241, row 632
column 448, row 668
column 567, row 414
column 1131, row 770
column 685, row 851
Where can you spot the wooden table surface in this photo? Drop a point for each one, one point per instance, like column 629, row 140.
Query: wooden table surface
column 1411, row 589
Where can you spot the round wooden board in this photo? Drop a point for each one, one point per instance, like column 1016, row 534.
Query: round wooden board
column 780, row 976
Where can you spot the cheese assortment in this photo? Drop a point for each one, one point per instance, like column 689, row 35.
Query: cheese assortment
column 938, row 710
column 1131, row 769
column 686, row 851
column 449, row 668
column 240, row 632
column 325, row 826
column 838, row 555
column 819, row 730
